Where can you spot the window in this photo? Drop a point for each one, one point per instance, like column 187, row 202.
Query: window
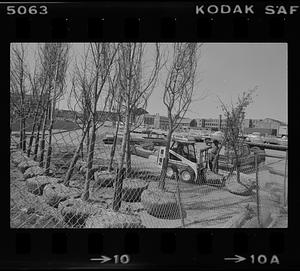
column 185, row 152
column 173, row 157
column 192, row 153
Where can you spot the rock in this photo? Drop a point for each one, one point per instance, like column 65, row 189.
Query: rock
column 104, row 178
column 27, row 164
column 18, row 157
column 79, row 164
column 33, row 171
column 244, row 189
column 161, row 204
column 75, row 211
column 132, row 189
column 21, row 178
column 110, row 219
column 36, row 184
column 68, row 154
column 84, row 168
column 61, row 164
column 55, row 193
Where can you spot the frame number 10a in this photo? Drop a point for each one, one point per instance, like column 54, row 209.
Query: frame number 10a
column 254, row 259
column 263, row 259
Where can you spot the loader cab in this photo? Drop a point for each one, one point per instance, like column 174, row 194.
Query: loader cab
column 184, row 148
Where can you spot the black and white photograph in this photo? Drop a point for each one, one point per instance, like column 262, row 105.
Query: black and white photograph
column 148, row 135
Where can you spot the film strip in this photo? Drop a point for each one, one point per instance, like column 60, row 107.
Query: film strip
column 164, row 22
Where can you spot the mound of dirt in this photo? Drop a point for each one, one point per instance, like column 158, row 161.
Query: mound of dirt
column 75, row 211
column 36, row 184
column 161, row 204
column 23, row 166
column 104, row 178
column 33, row 171
column 133, row 189
column 244, row 188
column 17, row 157
column 55, row 193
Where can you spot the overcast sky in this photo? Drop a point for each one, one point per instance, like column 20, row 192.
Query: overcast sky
column 225, row 70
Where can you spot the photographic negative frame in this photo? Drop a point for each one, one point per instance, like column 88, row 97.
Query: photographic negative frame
column 259, row 22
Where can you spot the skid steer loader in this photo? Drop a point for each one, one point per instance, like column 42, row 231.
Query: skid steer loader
column 192, row 169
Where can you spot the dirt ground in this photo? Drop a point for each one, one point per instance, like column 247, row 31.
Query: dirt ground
column 206, row 206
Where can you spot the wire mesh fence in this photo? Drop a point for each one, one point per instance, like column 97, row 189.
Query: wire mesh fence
column 41, row 195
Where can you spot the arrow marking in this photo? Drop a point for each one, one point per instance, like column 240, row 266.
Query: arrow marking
column 103, row 259
column 236, row 259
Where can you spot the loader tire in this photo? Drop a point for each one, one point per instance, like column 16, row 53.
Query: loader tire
column 187, row 175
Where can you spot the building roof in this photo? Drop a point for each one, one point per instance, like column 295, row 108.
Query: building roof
column 185, row 121
column 278, row 121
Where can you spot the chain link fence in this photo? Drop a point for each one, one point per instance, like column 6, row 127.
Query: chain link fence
column 257, row 200
column 40, row 197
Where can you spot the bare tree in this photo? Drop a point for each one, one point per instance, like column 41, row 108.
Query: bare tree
column 134, row 86
column 117, row 100
column 235, row 115
column 101, row 61
column 81, row 93
column 19, row 88
column 53, row 58
column 38, row 81
column 58, row 57
column 178, row 91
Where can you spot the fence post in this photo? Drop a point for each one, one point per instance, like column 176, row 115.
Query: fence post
column 179, row 198
column 285, row 181
column 257, row 190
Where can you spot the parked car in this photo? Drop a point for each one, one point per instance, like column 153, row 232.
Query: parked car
column 156, row 139
column 214, row 136
column 283, row 140
column 255, row 138
column 272, row 140
column 217, row 136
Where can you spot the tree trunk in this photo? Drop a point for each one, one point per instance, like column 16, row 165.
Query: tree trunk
column 35, row 121
column 21, row 134
column 88, row 137
column 237, row 166
column 128, row 156
column 32, row 135
column 42, row 146
column 75, row 158
column 238, row 174
column 163, row 174
column 37, row 138
column 120, row 176
column 24, row 134
column 49, row 150
column 113, row 147
column 52, row 115
column 89, row 173
column 216, row 160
